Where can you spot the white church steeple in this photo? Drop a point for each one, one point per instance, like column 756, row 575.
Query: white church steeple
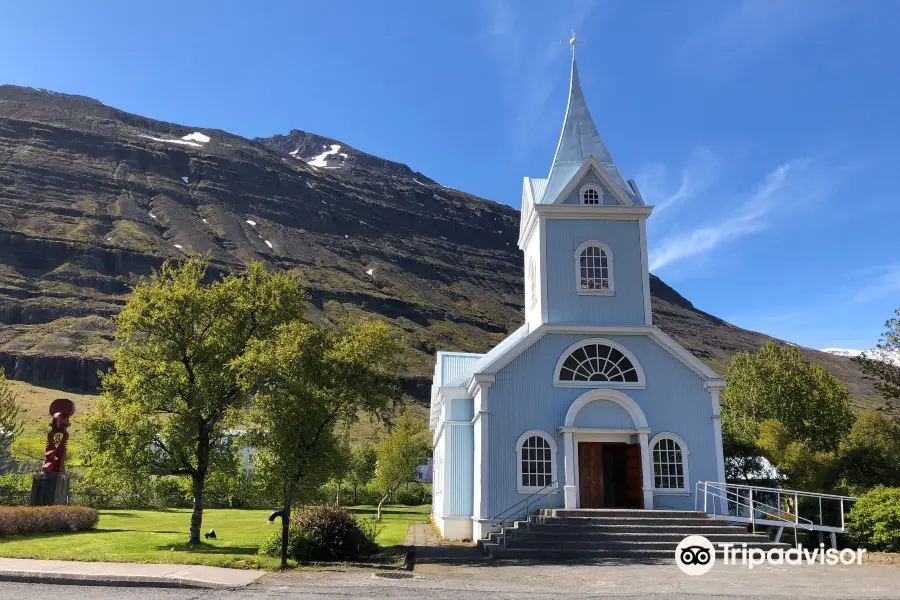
column 583, row 231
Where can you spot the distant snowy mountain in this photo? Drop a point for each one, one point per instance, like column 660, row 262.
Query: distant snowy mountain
column 893, row 357
column 848, row 352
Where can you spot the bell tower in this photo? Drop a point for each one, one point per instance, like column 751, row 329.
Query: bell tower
column 583, row 231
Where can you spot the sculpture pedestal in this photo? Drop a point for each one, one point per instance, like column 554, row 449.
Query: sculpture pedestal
column 48, row 489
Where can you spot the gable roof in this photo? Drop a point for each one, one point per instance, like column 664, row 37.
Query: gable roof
column 578, row 140
column 510, row 348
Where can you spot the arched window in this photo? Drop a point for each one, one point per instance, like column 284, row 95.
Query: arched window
column 599, row 361
column 669, row 463
column 536, row 458
column 532, row 281
column 590, row 195
column 593, row 268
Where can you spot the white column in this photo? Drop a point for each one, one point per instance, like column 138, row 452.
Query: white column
column 481, row 488
column 571, row 492
column 646, row 469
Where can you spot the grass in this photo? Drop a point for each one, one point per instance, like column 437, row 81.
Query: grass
column 158, row 536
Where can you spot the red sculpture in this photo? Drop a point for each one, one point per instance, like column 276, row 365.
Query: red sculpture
column 61, row 410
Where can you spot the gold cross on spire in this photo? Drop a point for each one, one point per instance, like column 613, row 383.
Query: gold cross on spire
column 572, row 42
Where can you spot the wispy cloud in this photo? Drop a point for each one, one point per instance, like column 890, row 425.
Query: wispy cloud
column 666, row 188
column 531, row 60
column 881, row 281
column 789, row 182
column 744, row 29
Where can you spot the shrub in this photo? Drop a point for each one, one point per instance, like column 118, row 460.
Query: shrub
column 333, row 533
column 297, row 546
column 413, row 494
column 14, row 489
column 874, row 521
column 23, row 520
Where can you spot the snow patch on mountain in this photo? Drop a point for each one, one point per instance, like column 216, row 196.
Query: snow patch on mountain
column 196, row 137
column 320, row 160
column 849, row 352
column 892, row 357
column 190, row 139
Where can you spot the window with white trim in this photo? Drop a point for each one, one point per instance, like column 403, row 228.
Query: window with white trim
column 594, row 269
column 536, row 456
column 668, row 465
column 590, row 195
column 598, row 362
column 532, row 283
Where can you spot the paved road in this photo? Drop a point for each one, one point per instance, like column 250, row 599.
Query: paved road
column 434, row 582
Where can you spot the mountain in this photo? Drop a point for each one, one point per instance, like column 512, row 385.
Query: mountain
column 92, row 198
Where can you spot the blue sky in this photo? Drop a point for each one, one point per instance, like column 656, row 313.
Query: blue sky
column 765, row 132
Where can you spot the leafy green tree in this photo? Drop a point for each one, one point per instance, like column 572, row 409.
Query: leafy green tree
column 777, row 383
column 870, row 454
column 10, row 423
column 883, row 365
column 173, row 392
column 309, row 379
column 797, row 464
column 362, row 467
column 407, row 447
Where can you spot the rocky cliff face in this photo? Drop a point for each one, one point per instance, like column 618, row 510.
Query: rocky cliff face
column 92, row 198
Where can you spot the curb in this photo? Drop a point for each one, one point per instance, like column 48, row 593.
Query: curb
column 85, row 579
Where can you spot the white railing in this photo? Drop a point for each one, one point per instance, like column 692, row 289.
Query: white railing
column 768, row 506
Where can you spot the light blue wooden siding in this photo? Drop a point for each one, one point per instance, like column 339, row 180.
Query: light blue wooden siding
column 455, row 364
column 462, row 446
column 461, row 409
column 603, row 414
column 626, row 306
column 523, row 398
column 591, row 178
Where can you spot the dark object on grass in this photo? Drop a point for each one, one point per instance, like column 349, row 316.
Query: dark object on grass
column 275, row 514
column 211, row 535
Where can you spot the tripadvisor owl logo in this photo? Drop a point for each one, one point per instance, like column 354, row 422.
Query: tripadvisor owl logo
column 695, row 555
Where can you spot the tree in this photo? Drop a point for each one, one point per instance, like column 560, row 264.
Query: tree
column 407, row 447
column 307, row 380
column 362, row 467
column 10, row 423
column 870, row 454
column 803, row 467
column 172, row 392
column 883, row 365
column 778, row 383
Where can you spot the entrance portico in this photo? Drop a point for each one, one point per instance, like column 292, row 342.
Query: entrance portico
column 606, row 426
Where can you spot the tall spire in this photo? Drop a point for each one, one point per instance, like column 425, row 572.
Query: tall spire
column 579, row 140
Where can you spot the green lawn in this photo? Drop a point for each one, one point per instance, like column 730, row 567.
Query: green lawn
column 154, row 536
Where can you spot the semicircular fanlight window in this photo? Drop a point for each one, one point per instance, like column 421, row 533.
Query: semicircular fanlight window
column 598, row 362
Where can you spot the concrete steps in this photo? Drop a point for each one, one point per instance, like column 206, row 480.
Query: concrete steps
column 620, row 534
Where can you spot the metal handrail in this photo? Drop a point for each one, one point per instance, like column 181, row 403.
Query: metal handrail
column 751, row 504
column 778, row 490
column 717, row 489
column 498, row 520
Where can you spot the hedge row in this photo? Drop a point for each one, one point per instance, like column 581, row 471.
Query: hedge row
column 22, row 520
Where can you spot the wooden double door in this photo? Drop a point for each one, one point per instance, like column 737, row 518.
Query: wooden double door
column 609, row 475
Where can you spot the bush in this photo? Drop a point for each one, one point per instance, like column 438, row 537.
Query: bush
column 333, row 533
column 413, row 494
column 874, row 521
column 297, row 547
column 14, row 489
column 23, row 520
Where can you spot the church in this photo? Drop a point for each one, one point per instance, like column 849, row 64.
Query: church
column 586, row 405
